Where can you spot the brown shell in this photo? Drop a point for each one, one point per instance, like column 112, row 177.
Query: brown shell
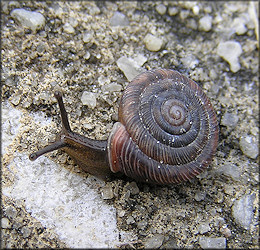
column 168, row 130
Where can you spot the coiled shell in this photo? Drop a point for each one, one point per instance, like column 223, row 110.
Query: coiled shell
column 167, row 130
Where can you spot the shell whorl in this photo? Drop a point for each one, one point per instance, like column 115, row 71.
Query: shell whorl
column 168, row 130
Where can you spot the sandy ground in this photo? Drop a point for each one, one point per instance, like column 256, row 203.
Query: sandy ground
column 51, row 202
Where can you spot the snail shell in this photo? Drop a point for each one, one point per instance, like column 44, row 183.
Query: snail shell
column 167, row 130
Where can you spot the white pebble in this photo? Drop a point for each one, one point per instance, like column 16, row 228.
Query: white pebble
column 87, row 36
column 161, row 9
column 205, row 23
column 112, row 87
column 118, row 19
column 89, row 99
column 29, row 19
column 129, row 67
column 196, row 10
column 239, row 26
column 230, row 51
column 68, row 28
column 249, row 146
column 173, row 11
column 152, row 42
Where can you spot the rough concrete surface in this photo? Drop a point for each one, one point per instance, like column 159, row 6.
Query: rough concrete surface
column 95, row 48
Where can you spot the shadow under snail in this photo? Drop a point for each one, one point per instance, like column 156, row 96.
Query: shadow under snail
column 167, row 132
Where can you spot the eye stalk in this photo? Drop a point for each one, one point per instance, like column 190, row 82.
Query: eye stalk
column 89, row 154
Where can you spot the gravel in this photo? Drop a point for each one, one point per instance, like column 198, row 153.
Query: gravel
column 213, row 243
column 249, row 146
column 118, row 19
column 73, row 47
column 29, row 19
column 242, row 210
column 152, row 42
column 205, row 23
column 230, row 51
column 89, row 99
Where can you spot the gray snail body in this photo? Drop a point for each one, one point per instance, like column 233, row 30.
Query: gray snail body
column 167, row 132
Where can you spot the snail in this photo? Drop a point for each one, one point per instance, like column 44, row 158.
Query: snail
column 167, row 132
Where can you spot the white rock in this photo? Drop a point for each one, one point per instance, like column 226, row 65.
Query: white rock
column 89, row 99
column 118, row 19
column 161, row 9
column 249, row 146
column 172, row 11
column 112, row 87
column 230, row 51
column 212, row 242
column 88, row 36
column 190, row 61
column 229, row 119
column 205, row 23
column 129, row 67
column 140, row 60
column 242, row 210
column 239, row 24
column 196, row 10
column 204, row 227
column 68, row 28
column 29, row 19
column 152, row 42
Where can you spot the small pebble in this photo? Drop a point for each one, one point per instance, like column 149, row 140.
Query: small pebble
column 161, row 9
column 112, row 87
column 153, row 43
column 5, row 223
column 173, row 11
column 107, row 192
column 118, row 19
column 11, row 212
column 204, row 228
column 142, row 224
column 230, row 170
column 140, row 59
column 239, row 25
column 230, row 51
column 89, row 99
column 68, row 28
column 229, row 120
column 87, row 37
column 205, row 23
column 130, row 220
column 132, row 186
column 249, row 146
column 189, row 61
column 29, row 19
column 196, row 10
column 243, row 210
column 25, row 232
column 225, row 231
column 199, row 196
column 129, row 67
column 212, row 242
column 154, row 242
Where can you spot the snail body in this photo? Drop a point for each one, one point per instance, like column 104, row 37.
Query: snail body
column 167, row 132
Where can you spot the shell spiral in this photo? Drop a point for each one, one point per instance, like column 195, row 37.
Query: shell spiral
column 167, row 130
